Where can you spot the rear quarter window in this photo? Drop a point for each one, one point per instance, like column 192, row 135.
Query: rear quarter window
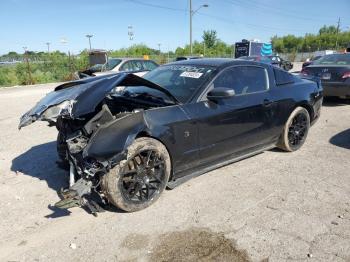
column 282, row 77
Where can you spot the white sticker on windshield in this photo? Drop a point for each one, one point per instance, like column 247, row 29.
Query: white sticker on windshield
column 191, row 74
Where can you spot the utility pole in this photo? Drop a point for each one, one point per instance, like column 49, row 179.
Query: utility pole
column 89, row 37
column 191, row 16
column 130, row 32
column 338, row 27
column 48, row 47
column 131, row 37
column 191, row 27
column 28, row 65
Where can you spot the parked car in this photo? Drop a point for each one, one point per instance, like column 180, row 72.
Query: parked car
column 280, row 62
column 272, row 60
column 310, row 61
column 115, row 65
column 126, row 138
column 334, row 71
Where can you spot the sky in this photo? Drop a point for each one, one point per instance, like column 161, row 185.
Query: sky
column 32, row 23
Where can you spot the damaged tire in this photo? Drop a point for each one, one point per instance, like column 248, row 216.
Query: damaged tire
column 138, row 181
column 295, row 130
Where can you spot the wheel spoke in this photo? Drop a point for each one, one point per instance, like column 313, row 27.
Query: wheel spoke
column 148, row 192
column 148, row 157
column 129, row 173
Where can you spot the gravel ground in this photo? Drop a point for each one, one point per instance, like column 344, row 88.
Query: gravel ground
column 275, row 206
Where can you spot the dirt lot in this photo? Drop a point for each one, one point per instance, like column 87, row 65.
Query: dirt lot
column 272, row 207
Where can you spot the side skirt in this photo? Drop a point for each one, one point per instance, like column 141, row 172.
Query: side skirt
column 174, row 183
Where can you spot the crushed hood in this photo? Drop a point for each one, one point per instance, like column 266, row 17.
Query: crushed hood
column 85, row 95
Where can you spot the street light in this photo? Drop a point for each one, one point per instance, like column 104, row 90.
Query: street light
column 192, row 12
column 48, row 47
column 89, row 36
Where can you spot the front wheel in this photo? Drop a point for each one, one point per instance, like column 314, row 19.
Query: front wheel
column 138, row 181
column 295, row 130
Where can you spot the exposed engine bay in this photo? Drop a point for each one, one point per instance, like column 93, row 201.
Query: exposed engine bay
column 79, row 123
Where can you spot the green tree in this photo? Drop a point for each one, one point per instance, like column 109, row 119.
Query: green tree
column 210, row 38
column 328, row 30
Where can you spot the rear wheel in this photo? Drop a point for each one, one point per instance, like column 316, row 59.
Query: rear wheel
column 295, row 130
column 138, row 181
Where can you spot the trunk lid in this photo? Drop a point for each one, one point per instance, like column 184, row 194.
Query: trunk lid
column 328, row 73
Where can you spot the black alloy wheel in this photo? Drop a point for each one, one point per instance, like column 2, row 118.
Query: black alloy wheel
column 298, row 130
column 138, row 181
column 295, row 130
column 143, row 176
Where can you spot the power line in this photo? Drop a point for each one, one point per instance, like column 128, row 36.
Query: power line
column 249, row 24
column 156, row 6
column 210, row 16
column 255, row 6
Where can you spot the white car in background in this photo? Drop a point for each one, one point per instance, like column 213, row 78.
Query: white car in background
column 136, row 66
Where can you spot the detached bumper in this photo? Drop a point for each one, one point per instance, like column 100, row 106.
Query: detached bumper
column 338, row 89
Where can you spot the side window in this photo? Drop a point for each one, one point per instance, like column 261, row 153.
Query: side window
column 127, row 66
column 149, row 65
column 137, row 65
column 282, row 77
column 243, row 79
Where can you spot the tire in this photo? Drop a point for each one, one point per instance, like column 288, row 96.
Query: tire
column 132, row 190
column 295, row 130
column 61, row 147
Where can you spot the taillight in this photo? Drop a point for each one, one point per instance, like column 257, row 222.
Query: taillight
column 305, row 71
column 346, row 75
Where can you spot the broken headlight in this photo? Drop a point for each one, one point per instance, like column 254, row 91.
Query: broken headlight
column 63, row 109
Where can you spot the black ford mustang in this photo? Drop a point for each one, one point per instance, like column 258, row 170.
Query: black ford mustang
column 126, row 138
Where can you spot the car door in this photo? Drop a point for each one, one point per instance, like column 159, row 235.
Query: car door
column 238, row 124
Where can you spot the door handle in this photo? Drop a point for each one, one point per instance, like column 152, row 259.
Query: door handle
column 267, row 102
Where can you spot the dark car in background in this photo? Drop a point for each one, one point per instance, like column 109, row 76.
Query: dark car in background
column 310, row 61
column 334, row 72
column 280, row 62
column 272, row 60
column 126, row 138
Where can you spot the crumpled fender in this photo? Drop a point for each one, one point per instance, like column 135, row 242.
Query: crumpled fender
column 114, row 137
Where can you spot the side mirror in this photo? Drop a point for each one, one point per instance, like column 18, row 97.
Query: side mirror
column 220, row 93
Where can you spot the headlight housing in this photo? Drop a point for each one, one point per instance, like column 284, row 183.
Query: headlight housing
column 63, row 109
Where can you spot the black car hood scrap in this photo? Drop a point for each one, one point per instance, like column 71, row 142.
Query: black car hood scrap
column 85, row 95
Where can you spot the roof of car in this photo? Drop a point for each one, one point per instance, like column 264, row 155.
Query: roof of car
column 128, row 58
column 215, row 62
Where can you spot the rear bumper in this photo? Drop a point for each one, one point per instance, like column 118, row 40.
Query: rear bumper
column 338, row 89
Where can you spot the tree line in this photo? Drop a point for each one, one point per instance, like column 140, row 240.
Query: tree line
column 43, row 67
column 328, row 37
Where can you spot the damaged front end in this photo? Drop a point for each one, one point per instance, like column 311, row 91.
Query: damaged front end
column 82, row 112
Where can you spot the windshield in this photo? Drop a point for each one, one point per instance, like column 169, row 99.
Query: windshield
column 335, row 59
column 112, row 62
column 182, row 81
